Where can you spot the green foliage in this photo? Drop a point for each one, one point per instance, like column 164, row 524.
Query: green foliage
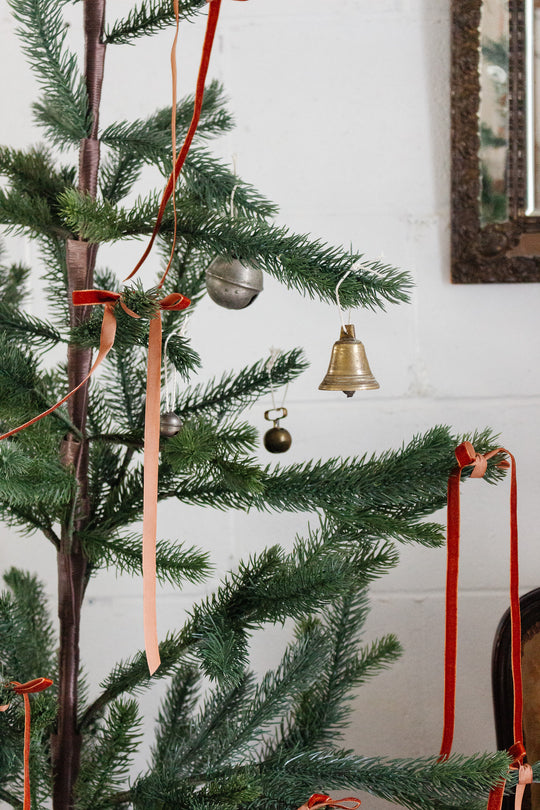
column 175, row 563
column 310, row 266
column 26, row 635
column 148, row 17
column 107, row 758
column 236, row 391
column 419, row 784
column 13, row 284
column 63, row 108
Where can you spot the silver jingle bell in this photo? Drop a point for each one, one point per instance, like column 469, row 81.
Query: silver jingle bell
column 231, row 284
column 169, row 424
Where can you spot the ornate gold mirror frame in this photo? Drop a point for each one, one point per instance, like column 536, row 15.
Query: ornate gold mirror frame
column 495, row 141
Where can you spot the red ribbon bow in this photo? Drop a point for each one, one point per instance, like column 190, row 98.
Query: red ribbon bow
column 466, row 456
column 25, row 689
column 318, row 800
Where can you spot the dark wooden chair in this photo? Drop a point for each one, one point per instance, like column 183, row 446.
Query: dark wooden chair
column 503, row 692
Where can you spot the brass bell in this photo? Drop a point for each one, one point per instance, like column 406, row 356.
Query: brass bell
column 349, row 369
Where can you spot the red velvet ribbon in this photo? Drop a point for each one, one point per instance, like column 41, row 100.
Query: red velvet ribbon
column 466, row 457
column 25, row 689
column 179, row 160
column 318, row 800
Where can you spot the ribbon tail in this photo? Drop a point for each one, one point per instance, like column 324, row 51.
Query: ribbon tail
column 211, row 25
column 108, row 332
column 26, row 800
column 151, row 465
column 496, row 797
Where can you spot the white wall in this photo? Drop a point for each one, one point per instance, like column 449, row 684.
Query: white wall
column 343, row 118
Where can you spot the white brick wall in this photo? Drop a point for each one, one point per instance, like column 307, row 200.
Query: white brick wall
column 343, row 118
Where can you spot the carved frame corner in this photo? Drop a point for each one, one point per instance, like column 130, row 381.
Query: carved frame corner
column 489, row 254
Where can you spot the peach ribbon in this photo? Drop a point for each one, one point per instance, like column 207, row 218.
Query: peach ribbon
column 25, row 689
column 174, row 301
column 318, row 800
column 525, row 778
column 466, row 456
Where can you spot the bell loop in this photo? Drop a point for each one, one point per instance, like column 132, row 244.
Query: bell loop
column 280, row 413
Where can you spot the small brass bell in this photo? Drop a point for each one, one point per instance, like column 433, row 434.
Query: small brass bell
column 277, row 439
column 349, row 369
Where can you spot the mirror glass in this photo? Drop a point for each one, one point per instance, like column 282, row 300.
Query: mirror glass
column 493, row 111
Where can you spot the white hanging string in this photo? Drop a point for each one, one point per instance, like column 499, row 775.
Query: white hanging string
column 338, row 285
column 232, row 208
column 274, row 354
column 356, row 266
column 170, row 388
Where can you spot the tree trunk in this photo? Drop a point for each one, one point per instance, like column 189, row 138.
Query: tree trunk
column 72, row 564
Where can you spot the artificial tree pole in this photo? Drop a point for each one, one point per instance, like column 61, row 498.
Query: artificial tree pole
column 72, row 562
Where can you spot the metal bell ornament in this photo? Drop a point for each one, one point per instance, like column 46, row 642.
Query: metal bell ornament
column 231, row 284
column 349, row 369
column 277, row 439
column 169, row 424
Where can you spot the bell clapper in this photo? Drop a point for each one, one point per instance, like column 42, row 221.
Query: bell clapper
column 277, row 439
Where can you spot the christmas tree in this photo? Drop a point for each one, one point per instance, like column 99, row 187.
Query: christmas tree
column 75, row 478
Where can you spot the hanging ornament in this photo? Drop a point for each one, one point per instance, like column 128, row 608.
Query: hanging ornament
column 169, row 422
column 277, row 439
column 229, row 282
column 348, row 370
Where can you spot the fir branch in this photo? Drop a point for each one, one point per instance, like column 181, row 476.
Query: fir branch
column 13, row 287
column 34, row 173
column 28, row 328
column 153, row 134
column 237, row 734
column 309, row 266
column 64, row 110
column 175, row 718
column 7, row 797
column 132, row 675
column 182, row 355
column 202, row 442
column 19, row 212
column 26, row 634
column 419, row 784
column 174, row 562
column 118, row 175
column 323, row 711
column 238, row 390
column 148, row 17
column 107, row 758
column 32, row 480
column 22, row 391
